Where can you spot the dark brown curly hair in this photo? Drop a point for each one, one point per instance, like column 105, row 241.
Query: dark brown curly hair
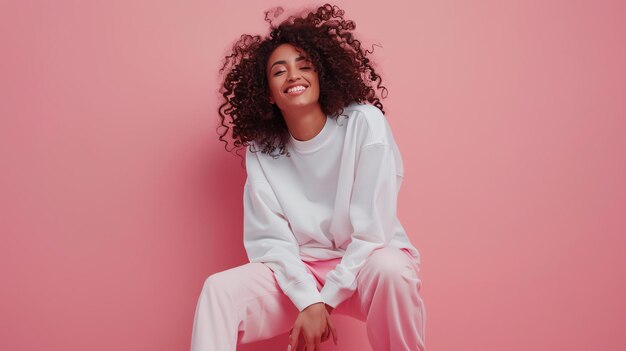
column 344, row 71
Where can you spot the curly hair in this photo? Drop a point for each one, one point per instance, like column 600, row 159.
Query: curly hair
column 344, row 71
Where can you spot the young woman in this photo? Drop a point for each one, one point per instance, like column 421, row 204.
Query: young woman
column 323, row 174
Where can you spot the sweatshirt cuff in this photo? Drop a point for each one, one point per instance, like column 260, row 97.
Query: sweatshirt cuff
column 303, row 294
column 333, row 294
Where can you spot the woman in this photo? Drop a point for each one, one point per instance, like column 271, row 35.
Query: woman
column 323, row 173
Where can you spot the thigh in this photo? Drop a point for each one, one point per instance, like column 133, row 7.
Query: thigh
column 387, row 261
column 262, row 309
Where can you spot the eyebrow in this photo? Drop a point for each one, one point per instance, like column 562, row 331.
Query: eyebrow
column 283, row 62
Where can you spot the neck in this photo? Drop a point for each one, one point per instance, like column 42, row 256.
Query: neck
column 305, row 123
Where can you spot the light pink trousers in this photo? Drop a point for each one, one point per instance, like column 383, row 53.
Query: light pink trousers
column 245, row 304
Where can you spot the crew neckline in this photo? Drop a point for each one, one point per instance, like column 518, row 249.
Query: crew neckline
column 314, row 143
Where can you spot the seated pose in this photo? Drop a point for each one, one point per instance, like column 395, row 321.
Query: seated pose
column 323, row 173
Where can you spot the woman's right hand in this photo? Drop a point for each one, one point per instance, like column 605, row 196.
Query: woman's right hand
column 310, row 327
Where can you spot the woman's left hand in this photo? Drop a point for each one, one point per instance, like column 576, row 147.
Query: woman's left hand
column 327, row 334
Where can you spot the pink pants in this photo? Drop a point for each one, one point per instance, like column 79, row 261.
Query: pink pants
column 245, row 304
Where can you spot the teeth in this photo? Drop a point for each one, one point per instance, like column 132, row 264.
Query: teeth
column 297, row 88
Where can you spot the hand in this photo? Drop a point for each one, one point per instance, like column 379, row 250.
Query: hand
column 311, row 325
column 326, row 335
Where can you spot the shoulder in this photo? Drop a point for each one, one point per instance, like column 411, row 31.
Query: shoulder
column 369, row 122
column 366, row 111
column 254, row 170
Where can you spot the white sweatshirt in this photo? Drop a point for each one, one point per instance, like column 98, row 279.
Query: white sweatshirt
column 336, row 196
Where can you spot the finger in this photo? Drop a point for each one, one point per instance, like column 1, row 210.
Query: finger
column 333, row 330
column 318, row 344
column 293, row 338
column 301, row 343
column 326, row 334
column 309, row 340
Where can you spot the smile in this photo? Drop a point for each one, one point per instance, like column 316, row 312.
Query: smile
column 297, row 90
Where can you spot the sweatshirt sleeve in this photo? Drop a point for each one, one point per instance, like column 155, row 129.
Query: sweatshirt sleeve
column 372, row 214
column 268, row 239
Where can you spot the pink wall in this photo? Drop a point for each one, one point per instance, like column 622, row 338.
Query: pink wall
column 116, row 199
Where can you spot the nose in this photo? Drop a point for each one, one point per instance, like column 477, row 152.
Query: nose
column 293, row 75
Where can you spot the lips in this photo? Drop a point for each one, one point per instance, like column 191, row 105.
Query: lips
column 296, row 89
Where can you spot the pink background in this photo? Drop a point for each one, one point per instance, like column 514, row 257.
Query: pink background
column 117, row 200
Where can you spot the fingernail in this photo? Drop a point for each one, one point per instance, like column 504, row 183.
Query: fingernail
column 289, row 348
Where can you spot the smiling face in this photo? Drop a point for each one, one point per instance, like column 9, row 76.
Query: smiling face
column 292, row 79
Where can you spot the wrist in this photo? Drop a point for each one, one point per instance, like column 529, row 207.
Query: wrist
column 313, row 305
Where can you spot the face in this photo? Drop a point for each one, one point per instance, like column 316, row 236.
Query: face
column 292, row 79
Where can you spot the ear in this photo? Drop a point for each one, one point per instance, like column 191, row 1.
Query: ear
column 271, row 100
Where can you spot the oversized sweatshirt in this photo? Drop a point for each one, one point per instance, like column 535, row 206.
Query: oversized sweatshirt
column 335, row 196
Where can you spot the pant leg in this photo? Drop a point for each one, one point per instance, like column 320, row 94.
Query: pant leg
column 246, row 303
column 241, row 304
column 388, row 300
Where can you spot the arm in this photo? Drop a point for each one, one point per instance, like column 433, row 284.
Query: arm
column 372, row 214
column 268, row 239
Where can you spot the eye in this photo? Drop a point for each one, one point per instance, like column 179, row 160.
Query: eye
column 305, row 68
column 278, row 73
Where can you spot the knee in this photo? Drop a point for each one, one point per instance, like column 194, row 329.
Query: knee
column 215, row 283
column 390, row 266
